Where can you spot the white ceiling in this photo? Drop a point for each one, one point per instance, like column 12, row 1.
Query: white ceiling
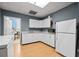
column 25, row 7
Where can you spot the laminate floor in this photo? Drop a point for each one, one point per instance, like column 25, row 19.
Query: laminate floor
column 34, row 50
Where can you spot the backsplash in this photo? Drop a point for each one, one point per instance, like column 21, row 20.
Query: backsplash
column 31, row 30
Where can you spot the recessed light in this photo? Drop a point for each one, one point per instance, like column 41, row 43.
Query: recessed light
column 39, row 3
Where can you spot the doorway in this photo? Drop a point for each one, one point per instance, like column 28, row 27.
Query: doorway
column 12, row 26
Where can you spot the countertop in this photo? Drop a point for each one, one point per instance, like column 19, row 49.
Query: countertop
column 37, row 33
column 4, row 40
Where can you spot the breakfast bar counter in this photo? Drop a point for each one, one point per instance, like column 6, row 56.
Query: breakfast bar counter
column 6, row 45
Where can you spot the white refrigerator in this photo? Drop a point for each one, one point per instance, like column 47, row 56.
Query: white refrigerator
column 66, row 37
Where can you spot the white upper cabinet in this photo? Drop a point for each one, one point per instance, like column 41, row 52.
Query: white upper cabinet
column 32, row 23
column 68, row 26
column 39, row 23
column 46, row 23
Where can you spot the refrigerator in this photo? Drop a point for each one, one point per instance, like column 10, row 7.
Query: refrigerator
column 66, row 39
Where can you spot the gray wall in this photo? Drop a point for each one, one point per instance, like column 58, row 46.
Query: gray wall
column 24, row 19
column 66, row 13
column 1, row 23
column 78, row 9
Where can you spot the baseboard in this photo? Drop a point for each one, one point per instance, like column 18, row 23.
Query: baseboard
column 37, row 42
column 60, row 54
column 30, row 43
column 47, row 44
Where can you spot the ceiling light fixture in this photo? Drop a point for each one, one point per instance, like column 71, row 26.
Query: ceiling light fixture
column 39, row 3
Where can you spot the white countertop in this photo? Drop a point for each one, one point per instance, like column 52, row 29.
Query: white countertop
column 4, row 40
column 37, row 33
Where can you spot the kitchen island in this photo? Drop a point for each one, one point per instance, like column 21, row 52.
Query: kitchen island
column 6, row 46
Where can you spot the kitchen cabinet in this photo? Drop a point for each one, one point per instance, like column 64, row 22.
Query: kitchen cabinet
column 32, row 23
column 33, row 37
column 28, row 38
column 45, row 23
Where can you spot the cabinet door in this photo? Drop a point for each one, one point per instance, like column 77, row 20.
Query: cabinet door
column 41, row 24
column 48, row 38
column 29, row 38
column 65, row 44
column 52, row 39
column 26, row 38
column 32, row 23
column 45, row 38
column 46, row 23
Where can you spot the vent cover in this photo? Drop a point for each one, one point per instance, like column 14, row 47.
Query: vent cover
column 32, row 12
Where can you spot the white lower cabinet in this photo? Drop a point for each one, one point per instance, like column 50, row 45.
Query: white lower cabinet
column 46, row 38
column 66, row 44
column 52, row 39
column 28, row 38
column 49, row 39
